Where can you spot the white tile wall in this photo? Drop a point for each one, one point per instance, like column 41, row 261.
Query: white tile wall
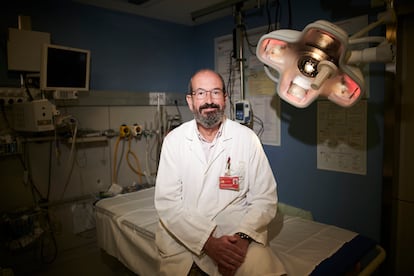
column 90, row 169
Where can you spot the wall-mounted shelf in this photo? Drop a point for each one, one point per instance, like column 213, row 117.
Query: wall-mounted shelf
column 93, row 139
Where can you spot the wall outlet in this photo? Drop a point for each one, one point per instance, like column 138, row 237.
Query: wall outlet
column 157, row 98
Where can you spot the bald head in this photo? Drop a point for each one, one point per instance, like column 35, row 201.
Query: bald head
column 206, row 74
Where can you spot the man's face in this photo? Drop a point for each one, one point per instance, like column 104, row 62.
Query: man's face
column 207, row 101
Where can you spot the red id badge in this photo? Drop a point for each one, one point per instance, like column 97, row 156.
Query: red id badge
column 229, row 183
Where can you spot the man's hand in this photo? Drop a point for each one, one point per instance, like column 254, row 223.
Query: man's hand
column 243, row 244
column 228, row 252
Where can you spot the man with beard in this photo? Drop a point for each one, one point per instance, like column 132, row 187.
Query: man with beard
column 215, row 192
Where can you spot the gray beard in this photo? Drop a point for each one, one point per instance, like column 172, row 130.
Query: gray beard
column 212, row 119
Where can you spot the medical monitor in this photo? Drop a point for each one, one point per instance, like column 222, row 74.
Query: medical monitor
column 64, row 68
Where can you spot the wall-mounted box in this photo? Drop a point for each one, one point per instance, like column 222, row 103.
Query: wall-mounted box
column 34, row 116
column 24, row 49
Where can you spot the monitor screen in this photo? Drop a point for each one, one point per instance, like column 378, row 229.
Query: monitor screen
column 64, row 68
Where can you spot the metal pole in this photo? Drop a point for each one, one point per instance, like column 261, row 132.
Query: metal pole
column 239, row 55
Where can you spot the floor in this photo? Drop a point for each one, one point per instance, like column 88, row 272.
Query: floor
column 87, row 259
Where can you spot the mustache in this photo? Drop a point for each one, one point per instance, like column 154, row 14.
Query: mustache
column 208, row 105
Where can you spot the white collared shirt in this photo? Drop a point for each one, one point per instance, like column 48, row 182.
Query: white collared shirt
column 208, row 146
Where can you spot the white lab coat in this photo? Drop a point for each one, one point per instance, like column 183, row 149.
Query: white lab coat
column 190, row 203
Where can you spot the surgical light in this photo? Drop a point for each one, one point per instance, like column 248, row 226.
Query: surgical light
column 317, row 62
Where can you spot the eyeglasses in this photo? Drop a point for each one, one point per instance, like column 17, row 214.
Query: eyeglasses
column 201, row 93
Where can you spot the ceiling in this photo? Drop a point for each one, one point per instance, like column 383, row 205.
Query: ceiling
column 176, row 11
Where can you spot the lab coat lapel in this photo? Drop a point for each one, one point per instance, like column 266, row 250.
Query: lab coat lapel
column 221, row 145
column 194, row 143
column 196, row 148
column 216, row 154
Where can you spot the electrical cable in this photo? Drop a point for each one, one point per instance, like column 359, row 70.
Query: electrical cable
column 289, row 14
column 27, row 88
column 159, row 135
column 49, row 185
column 26, row 167
column 4, row 115
column 34, row 189
column 260, row 122
column 129, row 154
column 178, row 110
column 230, row 86
column 277, row 15
column 252, row 46
column 46, row 226
column 269, row 18
column 54, row 243
column 71, row 156
column 114, row 172
column 149, row 175
column 148, row 134
column 138, row 171
column 249, row 44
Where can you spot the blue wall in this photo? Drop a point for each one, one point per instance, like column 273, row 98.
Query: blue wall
column 128, row 52
column 133, row 53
